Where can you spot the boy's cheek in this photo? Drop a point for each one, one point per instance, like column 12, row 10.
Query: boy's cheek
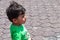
column 22, row 20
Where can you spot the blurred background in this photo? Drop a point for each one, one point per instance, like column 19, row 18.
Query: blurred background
column 43, row 19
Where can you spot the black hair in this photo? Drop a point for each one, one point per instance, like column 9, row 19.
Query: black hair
column 14, row 10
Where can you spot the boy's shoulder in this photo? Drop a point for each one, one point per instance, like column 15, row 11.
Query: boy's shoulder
column 17, row 28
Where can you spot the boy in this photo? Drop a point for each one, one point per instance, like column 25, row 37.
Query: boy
column 16, row 14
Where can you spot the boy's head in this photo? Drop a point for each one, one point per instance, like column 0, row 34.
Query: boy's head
column 16, row 13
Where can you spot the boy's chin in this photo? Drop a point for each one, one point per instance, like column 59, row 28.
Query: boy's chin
column 24, row 23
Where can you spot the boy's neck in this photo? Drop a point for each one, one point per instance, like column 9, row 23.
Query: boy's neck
column 16, row 24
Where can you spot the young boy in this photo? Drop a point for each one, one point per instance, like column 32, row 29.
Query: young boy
column 16, row 14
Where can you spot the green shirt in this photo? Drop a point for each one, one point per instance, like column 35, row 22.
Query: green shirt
column 19, row 32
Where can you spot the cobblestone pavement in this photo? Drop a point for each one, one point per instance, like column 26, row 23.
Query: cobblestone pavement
column 43, row 19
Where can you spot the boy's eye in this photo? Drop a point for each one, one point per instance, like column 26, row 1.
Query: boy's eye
column 23, row 16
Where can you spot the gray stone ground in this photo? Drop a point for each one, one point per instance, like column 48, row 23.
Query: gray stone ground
column 43, row 19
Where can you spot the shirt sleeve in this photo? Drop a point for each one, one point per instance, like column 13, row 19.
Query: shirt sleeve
column 16, row 36
column 27, row 36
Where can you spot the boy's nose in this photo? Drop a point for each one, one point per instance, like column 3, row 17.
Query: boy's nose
column 25, row 18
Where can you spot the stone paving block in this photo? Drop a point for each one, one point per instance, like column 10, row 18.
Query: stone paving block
column 50, row 38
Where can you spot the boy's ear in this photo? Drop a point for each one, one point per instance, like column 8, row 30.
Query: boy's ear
column 14, row 20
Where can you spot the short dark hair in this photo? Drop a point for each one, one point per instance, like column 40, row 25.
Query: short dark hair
column 14, row 10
